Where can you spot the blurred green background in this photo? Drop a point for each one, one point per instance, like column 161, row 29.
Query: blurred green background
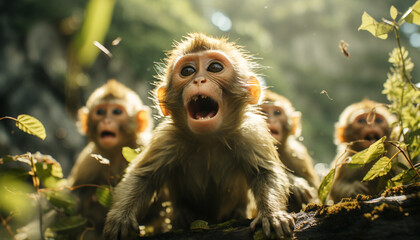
column 49, row 64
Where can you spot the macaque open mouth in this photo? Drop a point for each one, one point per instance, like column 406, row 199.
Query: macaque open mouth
column 105, row 134
column 273, row 131
column 202, row 107
column 372, row 137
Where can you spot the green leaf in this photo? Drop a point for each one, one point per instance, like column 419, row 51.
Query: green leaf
column 69, row 223
column 62, row 199
column 402, row 178
column 130, row 154
column 394, row 12
column 104, row 196
column 413, row 14
column 372, row 153
column 199, row 224
column 31, row 125
column 380, row 168
column 325, row 186
column 379, row 30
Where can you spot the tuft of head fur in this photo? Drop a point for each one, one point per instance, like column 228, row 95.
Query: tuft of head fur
column 352, row 111
column 115, row 92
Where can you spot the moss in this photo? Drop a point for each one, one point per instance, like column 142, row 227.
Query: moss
column 344, row 206
column 402, row 190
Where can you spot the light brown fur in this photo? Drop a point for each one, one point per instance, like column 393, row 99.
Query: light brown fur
column 208, row 174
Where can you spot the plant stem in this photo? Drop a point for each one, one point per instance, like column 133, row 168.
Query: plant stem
column 404, row 73
column 35, row 181
column 4, row 222
column 406, row 157
column 8, row 118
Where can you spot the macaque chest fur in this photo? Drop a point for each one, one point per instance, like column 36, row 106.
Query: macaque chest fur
column 212, row 184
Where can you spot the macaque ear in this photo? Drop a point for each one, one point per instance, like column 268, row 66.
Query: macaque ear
column 296, row 125
column 142, row 120
column 161, row 92
column 254, row 89
column 340, row 135
column 82, row 124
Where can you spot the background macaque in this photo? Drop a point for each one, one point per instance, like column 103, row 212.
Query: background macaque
column 284, row 125
column 211, row 150
column 114, row 117
column 359, row 125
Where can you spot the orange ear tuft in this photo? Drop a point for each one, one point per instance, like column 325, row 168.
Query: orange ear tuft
column 142, row 121
column 83, row 115
column 340, row 135
column 161, row 97
column 254, row 89
column 296, row 125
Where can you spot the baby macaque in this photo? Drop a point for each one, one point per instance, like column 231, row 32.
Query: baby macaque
column 360, row 125
column 114, row 117
column 284, row 125
column 211, row 150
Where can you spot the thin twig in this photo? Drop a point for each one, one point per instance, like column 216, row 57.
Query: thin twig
column 4, row 222
column 406, row 157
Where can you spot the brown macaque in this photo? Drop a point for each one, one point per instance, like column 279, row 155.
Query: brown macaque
column 211, row 151
column 284, row 125
column 114, row 117
column 360, row 125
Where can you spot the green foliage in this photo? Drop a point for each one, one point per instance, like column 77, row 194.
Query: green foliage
column 62, row 200
column 325, row 186
column 380, row 168
column 130, row 154
column 104, row 196
column 404, row 97
column 69, row 223
column 199, row 224
column 368, row 155
column 29, row 125
column 379, row 30
column 413, row 14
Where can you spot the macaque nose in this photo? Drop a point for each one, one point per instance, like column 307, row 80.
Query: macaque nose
column 199, row 80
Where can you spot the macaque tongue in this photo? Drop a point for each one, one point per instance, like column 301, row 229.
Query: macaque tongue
column 204, row 114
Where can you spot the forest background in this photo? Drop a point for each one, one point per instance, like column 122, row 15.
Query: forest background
column 49, row 64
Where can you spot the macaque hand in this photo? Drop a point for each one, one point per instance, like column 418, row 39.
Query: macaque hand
column 119, row 226
column 282, row 223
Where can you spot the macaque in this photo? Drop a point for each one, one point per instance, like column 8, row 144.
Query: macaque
column 114, row 117
column 211, row 150
column 360, row 125
column 284, row 125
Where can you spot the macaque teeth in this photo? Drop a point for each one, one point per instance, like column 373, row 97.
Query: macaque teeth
column 195, row 98
column 203, row 96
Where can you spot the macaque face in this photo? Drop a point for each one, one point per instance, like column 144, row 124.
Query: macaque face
column 202, row 76
column 277, row 121
column 108, row 119
column 369, row 128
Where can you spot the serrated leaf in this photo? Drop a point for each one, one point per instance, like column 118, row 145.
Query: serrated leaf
column 130, row 154
column 104, row 196
column 31, row 125
column 413, row 14
column 380, row 168
column 325, row 186
column 379, row 30
column 199, row 224
column 393, row 12
column 372, row 153
column 69, row 223
column 62, row 199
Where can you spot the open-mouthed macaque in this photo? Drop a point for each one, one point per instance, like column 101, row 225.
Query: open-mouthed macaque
column 360, row 125
column 211, row 150
column 284, row 125
column 114, row 117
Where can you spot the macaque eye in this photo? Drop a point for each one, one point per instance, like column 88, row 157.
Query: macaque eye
column 117, row 111
column 215, row 67
column 378, row 120
column 187, row 71
column 277, row 112
column 101, row 111
column 361, row 120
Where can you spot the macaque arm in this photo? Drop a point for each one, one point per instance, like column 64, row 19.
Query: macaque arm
column 270, row 188
column 132, row 198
